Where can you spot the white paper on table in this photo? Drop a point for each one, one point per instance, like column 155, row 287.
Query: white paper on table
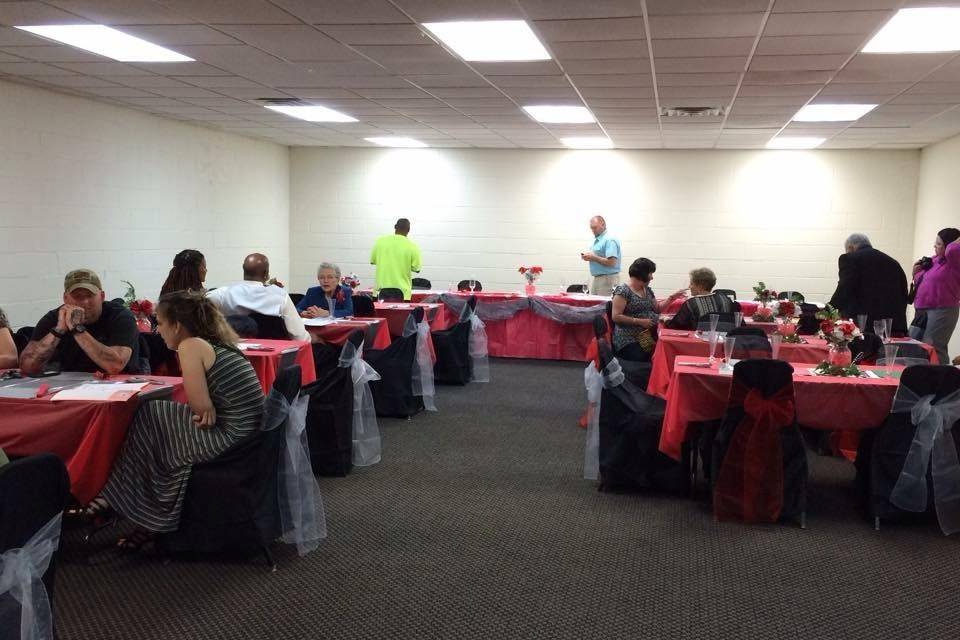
column 104, row 391
column 318, row 322
column 243, row 346
column 870, row 374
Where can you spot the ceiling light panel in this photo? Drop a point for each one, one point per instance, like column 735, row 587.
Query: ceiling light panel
column 107, row 42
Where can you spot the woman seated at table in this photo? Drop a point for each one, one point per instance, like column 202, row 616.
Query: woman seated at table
column 635, row 313
column 187, row 274
column 319, row 301
column 224, row 405
column 8, row 348
column 702, row 302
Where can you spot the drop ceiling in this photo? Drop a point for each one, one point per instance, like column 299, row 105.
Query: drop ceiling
column 624, row 59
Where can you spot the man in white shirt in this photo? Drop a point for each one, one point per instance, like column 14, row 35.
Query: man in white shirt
column 255, row 295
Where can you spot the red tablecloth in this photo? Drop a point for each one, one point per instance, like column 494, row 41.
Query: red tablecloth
column 748, row 307
column 267, row 363
column 377, row 335
column 528, row 335
column 822, row 402
column 396, row 314
column 87, row 436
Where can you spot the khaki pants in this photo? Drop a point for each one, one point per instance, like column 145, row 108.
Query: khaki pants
column 604, row 285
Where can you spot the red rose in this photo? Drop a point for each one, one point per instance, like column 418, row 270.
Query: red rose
column 135, row 307
column 826, row 326
column 536, row 269
column 847, row 328
column 786, row 308
column 522, row 269
column 146, row 307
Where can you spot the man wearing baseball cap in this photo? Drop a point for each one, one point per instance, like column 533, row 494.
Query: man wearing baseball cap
column 85, row 333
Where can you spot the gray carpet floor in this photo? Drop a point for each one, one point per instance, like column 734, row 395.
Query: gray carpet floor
column 478, row 524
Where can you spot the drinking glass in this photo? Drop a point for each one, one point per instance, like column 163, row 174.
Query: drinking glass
column 879, row 328
column 888, row 331
column 775, row 340
column 889, row 357
column 712, row 340
column 737, row 318
column 728, row 346
column 472, row 284
column 563, row 285
column 862, row 322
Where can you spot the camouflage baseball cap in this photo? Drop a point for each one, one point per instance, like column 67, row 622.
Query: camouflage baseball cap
column 82, row 279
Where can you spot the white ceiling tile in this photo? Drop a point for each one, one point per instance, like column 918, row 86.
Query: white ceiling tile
column 778, row 90
column 701, row 47
column 104, row 69
column 867, row 67
column 291, row 42
column 613, row 80
column 577, row 9
column 616, row 92
column 386, row 54
column 33, row 69
column 705, row 91
column 450, row 66
column 191, row 94
column 622, row 103
column 353, row 82
column 117, row 92
column 681, row 7
column 599, row 49
column 54, row 53
column 924, row 98
column 394, row 93
column 696, row 79
column 950, row 72
column 771, row 101
column 863, row 88
column 172, row 36
column 148, row 81
column 606, row 67
column 786, row 77
column 122, row 12
column 731, row 25
column 218, row 82
column 446, row 10
column 540, row 68
column 375, row 34
column 181, row 68
column 700, row 65
column 827, row 23
column 7, row 57
column 471, row 94
column 586, row 30
column 798, row 63
column 529, row 81
column 540, row 94
column 78, row 81
column 344, row 12
column 232, row 11
column 10, row 37
column 468, row 80
column 809, row 45
column 790, row 6
column 35, row 13
column 253, row 93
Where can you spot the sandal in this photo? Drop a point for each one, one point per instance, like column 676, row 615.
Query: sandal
column 135, row 541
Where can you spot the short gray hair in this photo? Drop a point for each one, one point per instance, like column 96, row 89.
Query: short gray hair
column 328, row 265
column 857, row 240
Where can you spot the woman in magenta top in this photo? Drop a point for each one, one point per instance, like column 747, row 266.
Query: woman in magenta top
column 938, row 292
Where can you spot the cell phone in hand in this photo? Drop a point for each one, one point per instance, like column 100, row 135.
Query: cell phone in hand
column 76, row 316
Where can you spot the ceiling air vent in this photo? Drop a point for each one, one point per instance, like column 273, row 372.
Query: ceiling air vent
column 692, row 112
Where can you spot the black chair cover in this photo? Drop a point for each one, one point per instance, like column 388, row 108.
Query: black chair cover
column 393, row 392
column 464, row 285
column 882, row 452
column 231, row 502
column 22, row 337
column 452, row 347
column 296, row 297
column 730, row 293
column 577, row 288
column 808, row 324
column 330, row 418
column 244, row 326
column 751, row 346
column 773, row 379
column 747, row 331
column 32, row 491
column 870, row 346
column 794, row 296
column 270, row 327
column 160, row 357
column 390, row 294
column 363, row 306
column 911, row 350
column 421, row 283
column 725, row 322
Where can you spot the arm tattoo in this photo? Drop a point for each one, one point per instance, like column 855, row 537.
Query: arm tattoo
column 37, row 353
column 107, row 358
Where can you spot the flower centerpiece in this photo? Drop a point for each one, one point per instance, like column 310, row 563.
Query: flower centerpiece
column 531, row 274
column 763, row 314
column 141, row 309
column 350, row 280
column 838, row 333
column 763, row 295
column 786, row 314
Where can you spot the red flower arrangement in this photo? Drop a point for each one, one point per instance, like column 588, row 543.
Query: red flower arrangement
column 531, row 273
column 763, row 314
column 141, row 307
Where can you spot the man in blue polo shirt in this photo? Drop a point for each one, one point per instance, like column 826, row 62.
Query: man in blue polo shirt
column 604, row 259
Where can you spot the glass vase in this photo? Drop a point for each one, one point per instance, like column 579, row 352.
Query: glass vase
column 838, row 355
column 530, row 289
column 143, row 324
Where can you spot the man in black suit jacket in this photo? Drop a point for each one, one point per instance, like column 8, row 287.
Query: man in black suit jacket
column 873, row 283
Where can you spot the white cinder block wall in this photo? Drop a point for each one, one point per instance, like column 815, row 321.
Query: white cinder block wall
column 938, row 201
column 88, row 184
column 780, row 217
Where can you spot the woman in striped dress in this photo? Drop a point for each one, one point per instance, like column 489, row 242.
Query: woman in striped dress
column 224, row 405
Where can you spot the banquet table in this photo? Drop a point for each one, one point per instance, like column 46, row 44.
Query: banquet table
column 748, row 307
column 526, row 333
column 85, row 434
column 376, row 331
column 270, row 356
column 822, row 402
column 674, row 343
column 396, row 314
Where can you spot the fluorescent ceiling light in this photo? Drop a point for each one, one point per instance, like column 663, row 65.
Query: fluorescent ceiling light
column 396, row 141
column 107, row 42
column 490, row 40
column 560, row 114
column 794, row 142
column 919, row 30
column 833, row 112
column 588, row 142
column 311, row 113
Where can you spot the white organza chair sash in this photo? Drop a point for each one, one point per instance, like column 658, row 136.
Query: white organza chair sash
column 21, row 583
column 422, row 374
column 595, row 382
column 478, row 349
column 302, row 518
column 366, row 433
column 490, row 310
column 933, row 445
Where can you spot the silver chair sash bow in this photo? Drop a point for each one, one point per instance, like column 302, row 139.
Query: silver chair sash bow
column 366, row 433
column 492, row 310
column 478, row 349
column 933, row 446
column 595, row 382
column 302, row 518
column 21, row 582
column 422, row 374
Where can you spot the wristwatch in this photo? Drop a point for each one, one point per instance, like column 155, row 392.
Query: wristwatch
column 58, row 333
column 79, row 328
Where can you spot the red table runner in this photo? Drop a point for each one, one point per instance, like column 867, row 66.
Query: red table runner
column 377, row 334
column 86, row 435
column 396, row 314
column 268, row 362
column 748, row 307
column 822, row 402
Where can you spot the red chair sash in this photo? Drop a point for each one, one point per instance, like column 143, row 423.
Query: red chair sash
column 749, row 486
